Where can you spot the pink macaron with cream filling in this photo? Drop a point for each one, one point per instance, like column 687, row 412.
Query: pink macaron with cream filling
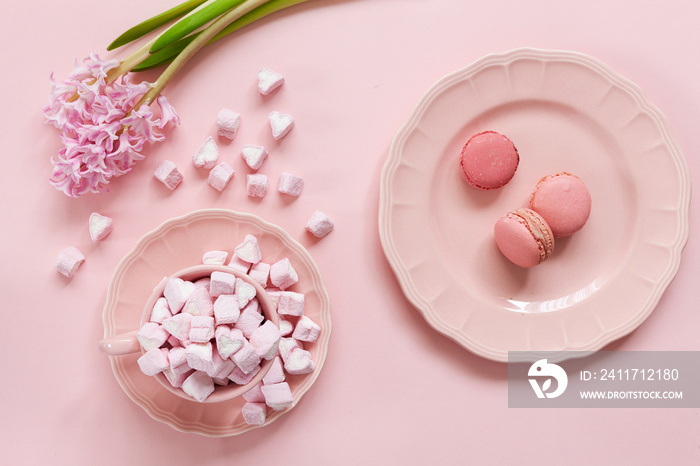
column 563, row 201
column 488, row 160
column 524, row 237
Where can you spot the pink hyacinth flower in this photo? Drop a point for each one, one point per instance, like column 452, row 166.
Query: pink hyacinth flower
column 101, row 132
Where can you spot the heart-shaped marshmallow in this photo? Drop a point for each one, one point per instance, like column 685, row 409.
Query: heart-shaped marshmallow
column 254, row 155
column 207, row 154
column 100, row 226
column 280, row 123
column 268, row 80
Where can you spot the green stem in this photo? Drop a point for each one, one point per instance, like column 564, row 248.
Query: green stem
column 194, row 46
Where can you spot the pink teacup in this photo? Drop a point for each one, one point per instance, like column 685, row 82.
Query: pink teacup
column 127, row 343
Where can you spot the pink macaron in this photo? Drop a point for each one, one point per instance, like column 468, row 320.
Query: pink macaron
column 488, row 160
column 563, row 201
column 524, row 237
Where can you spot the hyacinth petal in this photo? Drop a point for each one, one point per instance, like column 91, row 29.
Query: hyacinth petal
column 167, row 112
column 101, row 132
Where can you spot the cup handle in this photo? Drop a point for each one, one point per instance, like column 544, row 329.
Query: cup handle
column 118, row 345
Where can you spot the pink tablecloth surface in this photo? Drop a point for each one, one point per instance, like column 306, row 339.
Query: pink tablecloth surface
column 393, row 390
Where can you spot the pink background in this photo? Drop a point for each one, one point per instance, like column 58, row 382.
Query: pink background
column 393, row 390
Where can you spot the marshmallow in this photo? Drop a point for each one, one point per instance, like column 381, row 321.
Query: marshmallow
column 174, row 341
column 177, row 291
column 291, row 304
column 260, row 272
column 254, row 156
column 241, row 378
column 214, row 257
column 280, row 124
column 168, row 174
column 69, row 259
column 220, row 175
column 290, row 184
column 265, row 339
column 206, row 155
column 282, row 274
column 154, row 361
column 256, row 185
column 319, row 224
column 278, row 395
column 254, row 414
column 246, row 358
column 275, row 374
column 227, row 123
column 274, row 295
column 203, row 283
column 268, row 80
column 245, row 292
column 198, row 385
column 179, row 325
column 100, row 226
column 239, row 264
column 249, row 250
column 255, row 395
column 228, row 340
column 199, row 356
column 160, row 311
column 221, row 368
column 177, row 379
column 201, row 329
column 178, row 360
column 226, row 309
column 286, row 327
column 299, row 362
column 152, row 335
column 306, row 330
column 221, row 283
column 200, row 303
column 248, row 321
column 287, row 346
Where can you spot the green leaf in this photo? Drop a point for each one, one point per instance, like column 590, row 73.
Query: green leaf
column 191, row 23
column 154, row 23
column 168, row 53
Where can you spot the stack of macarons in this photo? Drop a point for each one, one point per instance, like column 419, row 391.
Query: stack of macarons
column 560, row 204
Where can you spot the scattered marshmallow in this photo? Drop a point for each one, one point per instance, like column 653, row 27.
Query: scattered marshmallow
column 299, row 362
column 306, row 330
column 199, row 303
column 226, row 309
column 160, row 311
column 260, row 272
column 282, row 274
column 255, row 394
column 227, row 123
column 254, row 414
column 249, row 250
column 265, row 339
column 152, row 335
column 100, row 226
column 201, row 329
column 154, row 361
column 278, row 396
column 287, row 346
column 241, row 378
column 319, row 224
column 207, row 154
column 221, row 283
column 290, row 184
column 239, row 264
column 286, row 327
column 220, row 175
column 276, row 372
column 69, row 260
column 198, row 385
column 291, row 304
column 254, row 156
column 280, row 123
column 177, row 292
column 214, row 257
column 168, row 174
column 256, row 185
column 268, row 81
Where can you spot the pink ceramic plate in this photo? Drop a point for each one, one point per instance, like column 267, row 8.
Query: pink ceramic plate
column 565, row 112
column 179, row 243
